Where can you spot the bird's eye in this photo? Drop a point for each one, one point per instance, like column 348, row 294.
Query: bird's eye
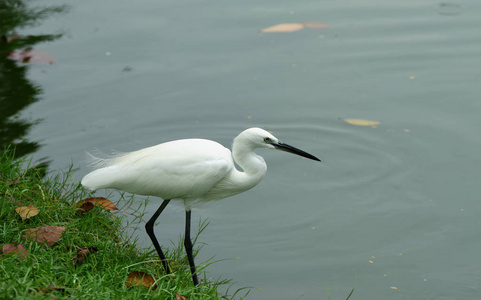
column 267, row 140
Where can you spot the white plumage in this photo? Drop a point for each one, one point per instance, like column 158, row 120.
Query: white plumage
column 192, row 170
column 183, row 169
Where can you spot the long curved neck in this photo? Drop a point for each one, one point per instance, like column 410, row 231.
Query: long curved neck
column 254, row 167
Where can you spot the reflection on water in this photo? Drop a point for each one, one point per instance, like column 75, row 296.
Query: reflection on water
column 16, row 90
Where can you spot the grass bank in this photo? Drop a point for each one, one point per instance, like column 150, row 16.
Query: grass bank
column 51, row 248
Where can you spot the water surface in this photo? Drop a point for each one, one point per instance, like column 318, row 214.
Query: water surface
column 392, row 210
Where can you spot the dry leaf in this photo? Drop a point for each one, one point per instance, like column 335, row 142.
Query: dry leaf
column 49, row 289
column 393, row 288
column 97, row 201
column 45, row 234
column 32, row 56
column 180, row 297
column 53, row 287
column 82, row 255
column 360, row 122
column 14, row 249
column 136, row 278
column 27, row 212
column 14, row 201
column 286, row 27
column 316, row 25
column 12, row 182
column 86, row 206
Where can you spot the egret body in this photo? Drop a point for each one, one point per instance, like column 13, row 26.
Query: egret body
column 190, row 170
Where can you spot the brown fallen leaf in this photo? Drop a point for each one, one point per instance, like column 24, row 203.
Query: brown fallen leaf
column 86, row 206
column 48, row 234
column 180, row 297
column 32, row 56
column 12, row 182
column 136, row 278
column 315, row 25
column 14, row 248
column 13, row 200
column 98, row 201
column 82, row 255
column 26, row 212
column 44, row 290
column 285, row 27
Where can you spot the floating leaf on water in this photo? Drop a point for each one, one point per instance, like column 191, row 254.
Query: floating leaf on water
column 315, row 25
column 32, row 56
column 137, row 279
column 26, row 212
column 285, row 27
column 393, row 288
column 360, row 122
column 48, row 234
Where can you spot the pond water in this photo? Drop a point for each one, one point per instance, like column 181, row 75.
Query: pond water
column 393, row 210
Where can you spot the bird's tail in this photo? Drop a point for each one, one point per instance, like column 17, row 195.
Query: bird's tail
column 101, row 178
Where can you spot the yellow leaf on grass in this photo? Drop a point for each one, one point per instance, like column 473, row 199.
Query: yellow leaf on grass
column 27, row 212
column 142, row 279
column 285, row 27
column 360, row 122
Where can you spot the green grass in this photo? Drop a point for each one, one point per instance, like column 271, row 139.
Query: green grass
column 103, row 274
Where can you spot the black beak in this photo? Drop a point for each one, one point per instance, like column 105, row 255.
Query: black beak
column 288, row 148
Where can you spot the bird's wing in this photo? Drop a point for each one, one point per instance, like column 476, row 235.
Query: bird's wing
column 185, row 169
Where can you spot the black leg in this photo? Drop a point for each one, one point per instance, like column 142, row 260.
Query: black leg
column 149, row 227
column 188, row 247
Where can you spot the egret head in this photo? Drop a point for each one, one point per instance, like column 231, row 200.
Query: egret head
column 260, row 138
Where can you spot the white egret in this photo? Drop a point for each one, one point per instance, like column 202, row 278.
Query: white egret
column 191, row 170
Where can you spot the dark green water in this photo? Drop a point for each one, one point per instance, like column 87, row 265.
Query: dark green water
column 392, row 206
